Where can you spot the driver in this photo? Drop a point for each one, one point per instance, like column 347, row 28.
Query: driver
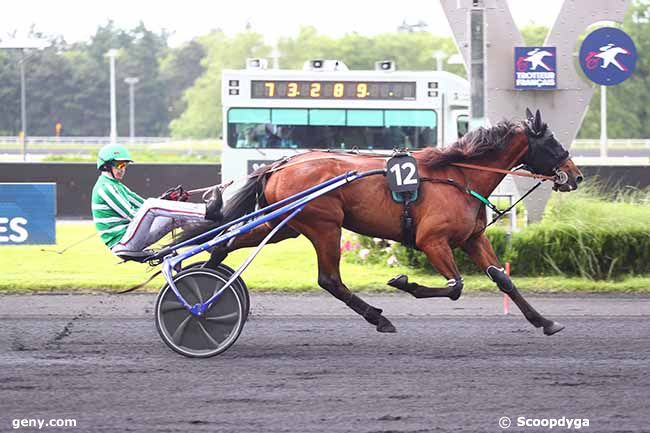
column 128, row 223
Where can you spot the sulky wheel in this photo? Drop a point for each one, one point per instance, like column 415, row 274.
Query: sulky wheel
column 199, row 336
column 226, row 272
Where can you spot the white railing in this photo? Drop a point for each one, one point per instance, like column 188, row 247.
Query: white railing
column 87, row 141
column 617, row 143
column 613, row 143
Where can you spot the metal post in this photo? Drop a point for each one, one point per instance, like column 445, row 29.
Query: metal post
column 112, row 54
column 513, row 216
column 131, row 112
column 22, row 45
column 603, row 121
column 131, row 81
column 23, row 104
column 440, row 57
column 477, row 66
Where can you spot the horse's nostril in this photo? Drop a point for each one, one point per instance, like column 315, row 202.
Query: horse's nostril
column 579, row 179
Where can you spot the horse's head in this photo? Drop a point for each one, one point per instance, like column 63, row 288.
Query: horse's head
column 548, row 156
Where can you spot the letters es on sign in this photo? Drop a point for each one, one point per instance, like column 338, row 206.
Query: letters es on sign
column 608, row 56
column 402, row 173
column 27, row 213
column 535, row 68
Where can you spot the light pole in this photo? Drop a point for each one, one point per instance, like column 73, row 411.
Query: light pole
column 603, row 122
column 477, row 65
column 440, row 56
column 131, row 81
column 22, row 45
column 112, row 54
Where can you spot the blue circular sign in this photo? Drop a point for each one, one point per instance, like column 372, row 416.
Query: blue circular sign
column 608, row 56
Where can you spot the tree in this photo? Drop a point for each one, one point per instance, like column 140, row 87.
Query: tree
column 9, row 93
column 534, row 34
column 203, row 116
column 179, row 70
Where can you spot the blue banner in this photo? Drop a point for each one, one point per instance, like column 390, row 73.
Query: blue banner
column 535, row 68
column 608, row 56
column 27, row 213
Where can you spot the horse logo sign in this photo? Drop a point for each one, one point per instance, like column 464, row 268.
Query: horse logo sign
column 608, row 56
column 535, row 68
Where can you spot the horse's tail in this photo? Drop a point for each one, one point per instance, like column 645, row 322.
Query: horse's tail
column 246, row 198
column 241, row 203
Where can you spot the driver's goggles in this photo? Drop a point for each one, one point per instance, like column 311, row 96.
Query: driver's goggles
column 121, row 165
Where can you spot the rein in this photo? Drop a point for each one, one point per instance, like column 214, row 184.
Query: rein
column 502, row 171
column 279, row 165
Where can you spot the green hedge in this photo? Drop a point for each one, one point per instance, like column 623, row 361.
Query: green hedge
column 597, row 253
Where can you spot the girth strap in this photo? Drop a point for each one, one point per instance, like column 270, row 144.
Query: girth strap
column 408, row 226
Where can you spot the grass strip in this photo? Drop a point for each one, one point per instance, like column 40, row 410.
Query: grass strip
column 286, row 267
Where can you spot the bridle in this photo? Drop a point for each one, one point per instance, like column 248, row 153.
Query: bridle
column 543, row 158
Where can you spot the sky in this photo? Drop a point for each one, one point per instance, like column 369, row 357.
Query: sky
column 77, row 20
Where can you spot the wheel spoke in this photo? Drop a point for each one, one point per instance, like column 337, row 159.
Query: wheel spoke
column 207, row 335
column 178, row 334
column 226, row 318
column 194, row 287
column 169, row 306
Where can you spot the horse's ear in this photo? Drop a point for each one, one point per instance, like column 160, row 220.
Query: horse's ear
column 538, row 121
column 530, row 122
column 529, row 114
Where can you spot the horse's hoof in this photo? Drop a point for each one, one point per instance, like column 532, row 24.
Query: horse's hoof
column 384, row 325
column 399, row 282
column 455, row 295
column 553, row 328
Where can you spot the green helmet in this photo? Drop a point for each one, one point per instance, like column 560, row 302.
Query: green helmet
column 112, row 152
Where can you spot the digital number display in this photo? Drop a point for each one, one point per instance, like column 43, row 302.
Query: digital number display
column 274, row 89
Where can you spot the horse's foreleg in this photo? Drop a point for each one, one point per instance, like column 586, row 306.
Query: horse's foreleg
column 481, row 252
column 327, row 242
column 442, row 258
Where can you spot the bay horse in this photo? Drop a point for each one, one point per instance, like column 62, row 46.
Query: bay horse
column 445, row 216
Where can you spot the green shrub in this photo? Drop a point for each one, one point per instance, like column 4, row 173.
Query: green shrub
column 597, row 253
column 589, row 233
column 363, row 249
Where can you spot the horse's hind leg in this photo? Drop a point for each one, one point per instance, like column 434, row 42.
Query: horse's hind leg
column 482, row 253
column 327, row 242
column 442, row 258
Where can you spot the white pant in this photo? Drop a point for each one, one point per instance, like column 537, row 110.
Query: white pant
column 155, row 219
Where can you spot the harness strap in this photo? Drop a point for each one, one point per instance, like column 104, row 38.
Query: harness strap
column 448, row 181
column 476, row 195
column 502, row 213
column 408, row 226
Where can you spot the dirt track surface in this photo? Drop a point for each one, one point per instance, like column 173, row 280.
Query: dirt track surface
column 306, row 364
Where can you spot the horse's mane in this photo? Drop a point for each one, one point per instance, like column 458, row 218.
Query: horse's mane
column 472, row 145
